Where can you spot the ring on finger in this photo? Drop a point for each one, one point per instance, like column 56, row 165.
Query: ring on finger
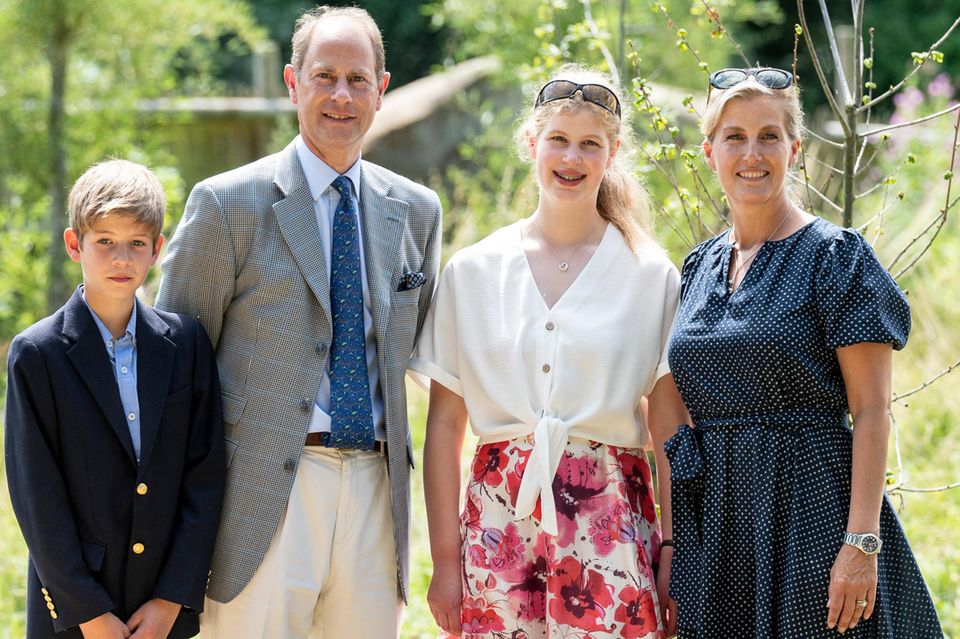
column 861, row 603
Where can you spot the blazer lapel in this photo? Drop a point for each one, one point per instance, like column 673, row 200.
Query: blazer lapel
column 298, row 224
column 382, row 220
column 89, row 357
column 155, row 358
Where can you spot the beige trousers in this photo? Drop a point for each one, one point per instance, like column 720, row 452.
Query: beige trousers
column 330, row 571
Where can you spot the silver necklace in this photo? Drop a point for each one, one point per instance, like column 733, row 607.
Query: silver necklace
column 564, row 265
column 743, row 262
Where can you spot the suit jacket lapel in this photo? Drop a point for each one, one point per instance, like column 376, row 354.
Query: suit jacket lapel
column 155, row 358
column 298, row 224
column 382, row 220
column 89, row 357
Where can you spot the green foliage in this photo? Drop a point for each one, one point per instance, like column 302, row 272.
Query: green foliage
column 118, row 54
column 412, row 44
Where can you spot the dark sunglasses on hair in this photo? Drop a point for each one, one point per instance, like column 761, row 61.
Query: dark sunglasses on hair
column 593, row 93
column 768, row 77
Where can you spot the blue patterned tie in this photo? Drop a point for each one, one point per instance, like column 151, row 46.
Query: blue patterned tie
column 350, row 412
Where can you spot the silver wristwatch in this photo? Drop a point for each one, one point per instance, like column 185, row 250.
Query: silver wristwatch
column 868, row 543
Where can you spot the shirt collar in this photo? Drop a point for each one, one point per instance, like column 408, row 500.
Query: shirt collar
column 104, row 331
column 319, row 174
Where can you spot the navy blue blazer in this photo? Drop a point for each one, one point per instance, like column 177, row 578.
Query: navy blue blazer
column 105, row 534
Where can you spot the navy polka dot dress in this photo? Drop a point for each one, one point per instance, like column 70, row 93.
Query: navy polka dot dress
column 761, row 486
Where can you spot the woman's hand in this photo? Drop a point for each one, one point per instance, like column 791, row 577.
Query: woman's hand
column 444, row 597
column 668, row 607
column 853, row 578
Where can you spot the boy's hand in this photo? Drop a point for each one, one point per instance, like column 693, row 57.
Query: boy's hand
column 154, row 619
column 106, row 626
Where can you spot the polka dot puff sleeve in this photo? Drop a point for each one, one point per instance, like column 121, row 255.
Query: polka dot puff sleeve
column 857, row 298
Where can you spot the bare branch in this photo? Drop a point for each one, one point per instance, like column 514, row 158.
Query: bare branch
column 900, row 125
column 824, row 198
column 827, row 141
column 857, row 62
column 913, row 72
column 938, row 489
column 815, row 58
column 835, row 51
column 601, row 41
column 825, row 165
column 913, row 391
column 938, row 221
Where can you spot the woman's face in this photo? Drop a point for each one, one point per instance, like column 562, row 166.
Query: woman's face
column 571, row 154
column 751, row 151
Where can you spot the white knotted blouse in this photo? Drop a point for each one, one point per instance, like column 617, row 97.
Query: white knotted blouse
column 578, row 369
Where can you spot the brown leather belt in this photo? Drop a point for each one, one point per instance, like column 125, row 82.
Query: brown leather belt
column 322, row 439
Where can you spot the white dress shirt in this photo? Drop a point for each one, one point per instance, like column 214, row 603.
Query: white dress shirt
column 578, row 369
column 325, row 199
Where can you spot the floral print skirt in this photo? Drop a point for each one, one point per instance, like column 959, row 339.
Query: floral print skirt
column 595, row 579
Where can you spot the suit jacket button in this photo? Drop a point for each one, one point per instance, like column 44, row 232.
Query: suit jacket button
column 138, row 548
column 321, row 348
column 45, row 591
column 141, row 489
column 50, row 606
column 305, row 405
column 53, row 614
column 290, row 465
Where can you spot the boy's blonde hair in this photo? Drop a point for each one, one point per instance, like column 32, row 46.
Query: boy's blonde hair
column 117, row 187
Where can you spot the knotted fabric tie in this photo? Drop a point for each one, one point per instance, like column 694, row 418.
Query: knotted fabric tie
column 549, row 442
column 350, row 413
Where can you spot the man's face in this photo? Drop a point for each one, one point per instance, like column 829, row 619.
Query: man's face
column 337, row 92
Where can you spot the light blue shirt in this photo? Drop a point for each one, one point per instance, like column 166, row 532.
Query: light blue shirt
column 123, row 358
column 325, row 200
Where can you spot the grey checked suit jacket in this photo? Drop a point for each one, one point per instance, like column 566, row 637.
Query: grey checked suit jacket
column 246, row 260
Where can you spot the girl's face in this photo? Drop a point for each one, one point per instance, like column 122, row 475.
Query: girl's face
column 571, row 154
column 751, row 151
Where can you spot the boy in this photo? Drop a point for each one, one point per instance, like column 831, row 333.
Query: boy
column 114, row 434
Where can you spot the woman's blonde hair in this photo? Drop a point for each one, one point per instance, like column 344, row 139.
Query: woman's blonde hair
column 789, row 98
column 622, row 200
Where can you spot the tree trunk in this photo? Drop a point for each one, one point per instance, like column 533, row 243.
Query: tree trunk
column 57, row 52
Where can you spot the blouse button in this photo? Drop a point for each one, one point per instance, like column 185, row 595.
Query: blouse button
column 546, row 368
column 550, row 326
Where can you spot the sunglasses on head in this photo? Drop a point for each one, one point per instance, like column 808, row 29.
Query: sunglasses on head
column 767, row 76
column 593, row 93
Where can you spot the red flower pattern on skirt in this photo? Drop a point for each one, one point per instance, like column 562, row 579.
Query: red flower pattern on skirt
column 594, row 580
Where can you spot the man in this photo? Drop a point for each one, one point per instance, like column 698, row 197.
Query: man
column 312, row 271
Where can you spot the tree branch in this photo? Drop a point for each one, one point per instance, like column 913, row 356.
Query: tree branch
column 835, row 52
column 938, row 221
column 815, row 58
column 900, row 125
column 913, row 72
column 913, row 391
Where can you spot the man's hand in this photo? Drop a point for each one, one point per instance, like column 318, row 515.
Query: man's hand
column 106, row 626
column 154, row 619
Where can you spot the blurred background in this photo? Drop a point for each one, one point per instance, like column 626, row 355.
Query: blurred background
column 194, row 87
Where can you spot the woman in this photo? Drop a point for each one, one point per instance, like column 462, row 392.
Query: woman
column 786, row 325
column 548, row 334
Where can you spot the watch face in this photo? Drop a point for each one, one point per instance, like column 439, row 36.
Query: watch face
column 870, row 544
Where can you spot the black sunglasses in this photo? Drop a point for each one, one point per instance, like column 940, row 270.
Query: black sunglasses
column 593, row 93
column 767, row 76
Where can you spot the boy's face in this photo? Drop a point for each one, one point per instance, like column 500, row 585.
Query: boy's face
column 116, row 254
